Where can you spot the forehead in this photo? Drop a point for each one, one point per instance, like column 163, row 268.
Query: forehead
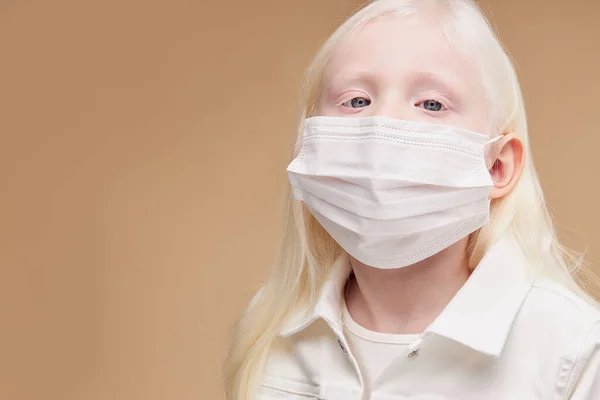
column 394, row 46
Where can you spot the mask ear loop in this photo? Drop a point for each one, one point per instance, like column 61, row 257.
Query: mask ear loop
column 494, row 140
column 491, row 141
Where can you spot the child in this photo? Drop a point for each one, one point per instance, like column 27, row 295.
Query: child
column 419, row 260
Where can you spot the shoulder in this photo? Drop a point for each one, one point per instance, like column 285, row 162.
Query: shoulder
column 572, row 327
column 558, row 325
column 555, row 335
column 555, row 306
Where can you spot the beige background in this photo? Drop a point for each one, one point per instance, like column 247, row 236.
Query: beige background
column 142, row 154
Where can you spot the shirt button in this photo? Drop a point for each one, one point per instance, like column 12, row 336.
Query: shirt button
column 342, row 347
column 413, row 354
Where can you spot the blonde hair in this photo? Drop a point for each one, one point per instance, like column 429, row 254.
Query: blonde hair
column 307, row 251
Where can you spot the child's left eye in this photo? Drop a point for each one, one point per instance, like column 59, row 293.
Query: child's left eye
column 432, row 105
column 357, row 102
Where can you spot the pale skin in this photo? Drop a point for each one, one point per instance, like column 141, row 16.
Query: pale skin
column 404, row 67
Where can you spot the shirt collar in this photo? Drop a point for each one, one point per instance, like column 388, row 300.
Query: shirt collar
column 479, row 316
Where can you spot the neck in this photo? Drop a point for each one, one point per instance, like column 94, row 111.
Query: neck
column 406, row 300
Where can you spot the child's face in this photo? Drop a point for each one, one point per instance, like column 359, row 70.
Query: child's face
column 404, row 67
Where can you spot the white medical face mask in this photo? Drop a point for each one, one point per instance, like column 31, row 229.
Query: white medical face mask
column 392, row 192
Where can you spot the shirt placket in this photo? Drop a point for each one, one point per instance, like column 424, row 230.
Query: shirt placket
column 402, row 361
column 345, row 349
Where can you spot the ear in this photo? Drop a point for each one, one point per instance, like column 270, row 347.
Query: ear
column 505, row 164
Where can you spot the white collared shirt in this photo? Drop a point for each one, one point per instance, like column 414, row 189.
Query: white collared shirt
column 506, row 335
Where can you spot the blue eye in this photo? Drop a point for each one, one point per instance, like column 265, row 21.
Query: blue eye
column 357, row 102
column 431, row 105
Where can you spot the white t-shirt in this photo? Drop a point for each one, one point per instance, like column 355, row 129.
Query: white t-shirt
column 374, row 351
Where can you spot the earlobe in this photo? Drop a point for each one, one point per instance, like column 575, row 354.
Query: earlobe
column 507, row 165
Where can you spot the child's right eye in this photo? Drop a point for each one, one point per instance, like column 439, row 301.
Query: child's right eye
column 357, row 102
